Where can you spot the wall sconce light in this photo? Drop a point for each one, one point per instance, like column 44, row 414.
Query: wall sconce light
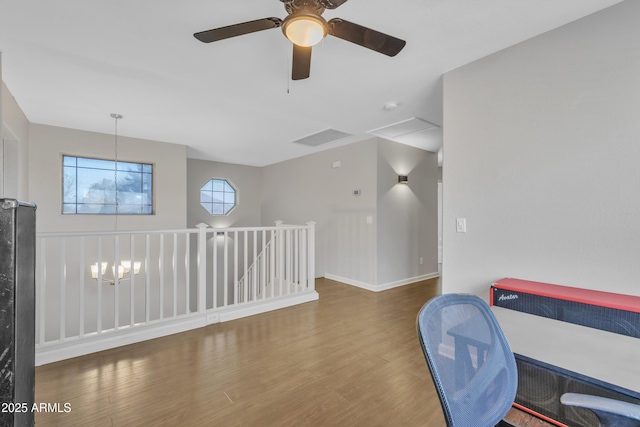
column 403, row 179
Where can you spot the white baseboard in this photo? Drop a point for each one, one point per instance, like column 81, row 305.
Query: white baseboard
column 74, row 347
column 258, row 307
column 383, row 286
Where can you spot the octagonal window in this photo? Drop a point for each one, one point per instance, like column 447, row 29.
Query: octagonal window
column 218, row 196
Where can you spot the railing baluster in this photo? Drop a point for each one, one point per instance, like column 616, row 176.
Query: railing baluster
column 116, row 282
column 43, row 285
column 255, row 263
column 161, row 269
column 63, row 283
column 303, row 250
column 296, row 258
column 215, row 268
column 235, row 267
column 272, row 262
column 147, row 276
column 226, row 269
column 99, row 264
column 246, row 261
column 81, row 289
column 175, row 274
column 201, row 285
column 263, row 265
column 311, row 259
column 187, row 268
column 281, row 245
column 289, row 265
column 132, row 283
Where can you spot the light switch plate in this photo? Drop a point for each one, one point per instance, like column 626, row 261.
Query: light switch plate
column 461, row 225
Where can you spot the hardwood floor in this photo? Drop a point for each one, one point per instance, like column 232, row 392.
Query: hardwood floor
column 350, row 359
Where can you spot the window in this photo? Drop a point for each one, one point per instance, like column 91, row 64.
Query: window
column 95, row 186
column 218, row 197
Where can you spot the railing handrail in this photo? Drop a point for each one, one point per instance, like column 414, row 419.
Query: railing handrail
column 168, row 231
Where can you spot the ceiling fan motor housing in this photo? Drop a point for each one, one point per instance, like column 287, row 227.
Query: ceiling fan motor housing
column 313, row 7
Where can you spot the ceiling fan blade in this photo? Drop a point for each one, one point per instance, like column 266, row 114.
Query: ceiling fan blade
column 222, row 33
column 365, row 37
column 301, row 62
column 332, row 4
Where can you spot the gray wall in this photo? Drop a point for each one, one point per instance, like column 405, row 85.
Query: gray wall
column 14, row 138
column 542, row 157
column 246, row 180
column 373, row 240
column 407, row 214
column 309, row 189
column 49, row 143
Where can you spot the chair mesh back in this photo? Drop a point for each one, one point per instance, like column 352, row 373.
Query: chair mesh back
column 471, row 363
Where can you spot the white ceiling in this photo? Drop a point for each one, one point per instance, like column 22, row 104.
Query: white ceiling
column 72, row 63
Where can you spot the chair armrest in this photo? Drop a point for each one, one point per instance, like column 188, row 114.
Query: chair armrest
column 602, row 404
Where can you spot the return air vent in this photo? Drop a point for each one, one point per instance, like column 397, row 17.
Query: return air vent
column 415, row 132
column 322, row 137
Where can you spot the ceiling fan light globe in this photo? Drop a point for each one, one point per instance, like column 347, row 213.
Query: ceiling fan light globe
column 305, row 30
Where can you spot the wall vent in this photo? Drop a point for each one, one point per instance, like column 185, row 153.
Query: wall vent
column 415, row 132
column 322, row 137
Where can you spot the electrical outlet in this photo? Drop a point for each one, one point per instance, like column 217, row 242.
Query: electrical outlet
column 421, row 260
column 213, row 318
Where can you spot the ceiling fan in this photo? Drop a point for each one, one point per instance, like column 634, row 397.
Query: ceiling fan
column 305, row 27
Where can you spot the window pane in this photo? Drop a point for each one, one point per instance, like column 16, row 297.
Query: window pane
column 91, row 184
column 218, row 185
column 147, row 183
column 125, row 166
column 227, row 208
column 230, row 198
column 96, row 186
column 208, row 207
column 69, row 161
column 69, row 185
column 96, row 163
column 217, row 196
column 216, row 209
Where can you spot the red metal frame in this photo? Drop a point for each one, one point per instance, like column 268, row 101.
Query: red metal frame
column 567, row 293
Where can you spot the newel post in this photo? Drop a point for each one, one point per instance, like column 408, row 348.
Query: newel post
column 202, row 267
column 311, row 255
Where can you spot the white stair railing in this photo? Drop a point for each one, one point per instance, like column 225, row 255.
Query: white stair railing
column 104, row 289
column 280, row 268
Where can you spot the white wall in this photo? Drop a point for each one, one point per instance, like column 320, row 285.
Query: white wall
column 542, row 157
column 49, row 143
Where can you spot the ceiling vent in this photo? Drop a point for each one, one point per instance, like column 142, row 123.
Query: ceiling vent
column 415, row 132
column 322, row 137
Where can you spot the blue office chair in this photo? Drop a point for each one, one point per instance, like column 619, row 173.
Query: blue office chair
column 610, row 412
column 471, row 363
column 474, row 369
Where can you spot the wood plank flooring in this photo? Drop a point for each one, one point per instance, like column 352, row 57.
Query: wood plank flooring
column 350, row 359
